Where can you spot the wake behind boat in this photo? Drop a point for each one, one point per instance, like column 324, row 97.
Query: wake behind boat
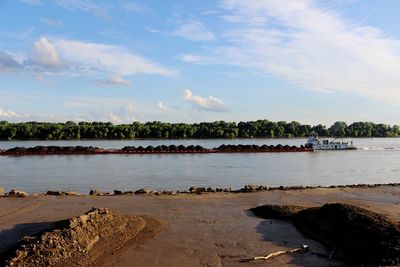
column 325, row 144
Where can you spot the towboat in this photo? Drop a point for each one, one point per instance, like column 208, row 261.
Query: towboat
column 326, row 144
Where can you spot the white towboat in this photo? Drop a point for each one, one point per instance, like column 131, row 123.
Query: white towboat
column 326, row 144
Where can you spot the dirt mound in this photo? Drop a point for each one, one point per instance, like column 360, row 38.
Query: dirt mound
column 359, row 237
column 276, row 211
column 356, row 236
column 83, row 240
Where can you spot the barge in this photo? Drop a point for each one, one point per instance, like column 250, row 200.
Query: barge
column 172, row 149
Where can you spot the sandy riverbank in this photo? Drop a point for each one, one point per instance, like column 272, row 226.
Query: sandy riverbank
column 199, row 230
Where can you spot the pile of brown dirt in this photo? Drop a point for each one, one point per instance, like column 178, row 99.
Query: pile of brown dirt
column 356, row 236
column 276, row 211
column 83, row 240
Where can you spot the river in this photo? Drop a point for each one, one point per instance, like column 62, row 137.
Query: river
column 377, row 161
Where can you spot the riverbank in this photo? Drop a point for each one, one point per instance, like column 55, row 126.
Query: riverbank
column 207, row 229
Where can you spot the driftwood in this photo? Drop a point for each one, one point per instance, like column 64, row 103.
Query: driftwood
column 303, row 248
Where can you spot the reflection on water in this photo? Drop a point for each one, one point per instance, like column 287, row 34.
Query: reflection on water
column 377, row 162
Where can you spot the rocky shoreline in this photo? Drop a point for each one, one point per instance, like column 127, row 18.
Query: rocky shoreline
column 251, row 188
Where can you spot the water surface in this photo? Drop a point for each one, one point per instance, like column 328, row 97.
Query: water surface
column 376, row 162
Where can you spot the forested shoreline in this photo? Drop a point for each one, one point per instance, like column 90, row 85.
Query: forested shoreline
column 162, row 130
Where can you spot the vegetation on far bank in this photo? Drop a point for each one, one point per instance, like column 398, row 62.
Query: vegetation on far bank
column 218, row 129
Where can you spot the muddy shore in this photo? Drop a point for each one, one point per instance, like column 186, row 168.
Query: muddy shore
column 207, row 229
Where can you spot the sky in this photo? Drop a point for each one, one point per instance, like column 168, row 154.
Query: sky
column 200, row 60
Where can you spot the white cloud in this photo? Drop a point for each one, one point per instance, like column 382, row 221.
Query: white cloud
column 194, row 58
column 77, row 109
column 115, row 80
column 32, row 2
column 209, row 103
column 93, row 102
column 310, row 46
column 104, row 109
column 52, row 22
column 96, row 8
column 7, row 114
column 194, row 31
column 133, row 6
column 107, row 58
column 107, row 64
column 114, row 118
column 44, row 54
column 7, row 62
column 161, row 106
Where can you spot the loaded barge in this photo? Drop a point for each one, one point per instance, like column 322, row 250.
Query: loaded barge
column 172, row 149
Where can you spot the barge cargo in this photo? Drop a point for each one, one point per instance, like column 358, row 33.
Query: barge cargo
column 172, row 149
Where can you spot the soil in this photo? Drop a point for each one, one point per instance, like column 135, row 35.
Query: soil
column 276, row 211
column 356, row 236
column 82, row 240
column 198, row 230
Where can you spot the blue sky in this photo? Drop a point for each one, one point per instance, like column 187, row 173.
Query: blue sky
column 190, row 61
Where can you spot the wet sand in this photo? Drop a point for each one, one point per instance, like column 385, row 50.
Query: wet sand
column 211, row 229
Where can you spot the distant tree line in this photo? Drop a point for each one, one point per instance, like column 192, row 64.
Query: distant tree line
column 161, row 130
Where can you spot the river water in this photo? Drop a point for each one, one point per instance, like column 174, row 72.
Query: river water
column 377, row 161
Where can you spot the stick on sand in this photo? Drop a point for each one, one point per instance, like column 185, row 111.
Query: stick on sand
column 303, row 248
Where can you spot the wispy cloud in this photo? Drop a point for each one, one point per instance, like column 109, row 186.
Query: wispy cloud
column 310, row 46
column 7, row 62
column 52, row 22
column 32, row 2
column 108, row 58
column 115, row 80
column 95, row 7
column 134, row 6
column 209, row 103
column 7, row 114
column 194, row 31
column 194, row 58
column 107, row 64
column 161, row 106
column 104, row 109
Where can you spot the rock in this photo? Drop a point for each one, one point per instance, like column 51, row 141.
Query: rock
column 219, row 189
column 16, row 193
column 144, row 190
column 226, row 190
column 54, row 193
column 193, row 189
column 197, row 190
column 96, row 193
column 128, row 193
column 117, row 192
column 250, row 188
column 200, row 190
column 210, row 190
